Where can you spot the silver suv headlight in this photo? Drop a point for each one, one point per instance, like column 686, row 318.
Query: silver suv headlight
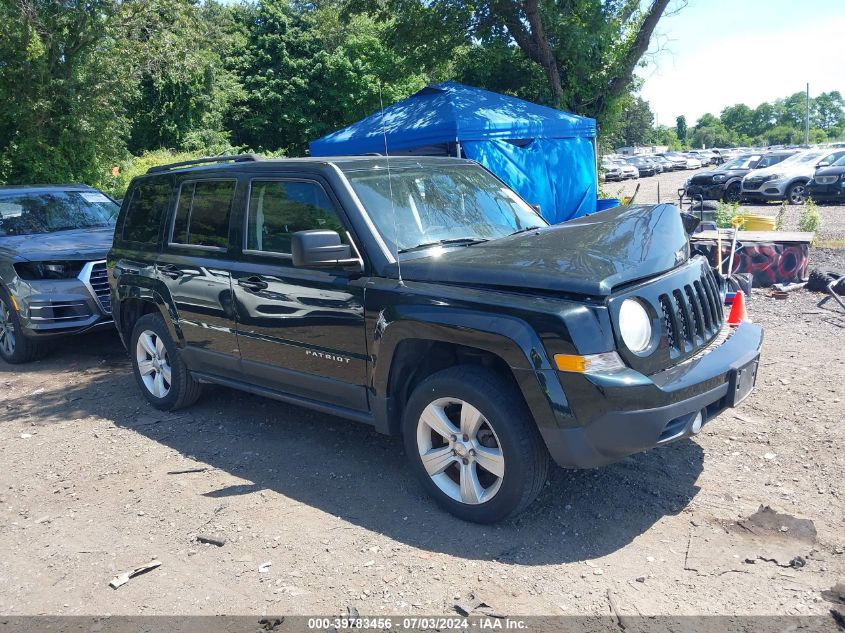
column 634, row 325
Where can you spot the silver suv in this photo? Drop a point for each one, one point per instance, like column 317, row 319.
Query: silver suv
column 53, row 281
column 788, row 179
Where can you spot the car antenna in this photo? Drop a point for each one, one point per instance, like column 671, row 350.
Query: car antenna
column 390, row 186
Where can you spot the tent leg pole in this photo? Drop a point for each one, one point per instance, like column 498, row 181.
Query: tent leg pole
column 458, row 148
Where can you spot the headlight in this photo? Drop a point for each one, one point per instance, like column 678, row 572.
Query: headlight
column 33, row 271
column 719, row 178
column 772, row 177
column 634, row 325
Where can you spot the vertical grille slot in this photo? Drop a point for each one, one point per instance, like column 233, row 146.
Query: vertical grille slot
column 683, row 316
column 695, row 307
column 704, row 302
column 670, row 322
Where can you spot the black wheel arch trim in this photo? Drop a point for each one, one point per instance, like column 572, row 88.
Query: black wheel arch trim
column 508, row 338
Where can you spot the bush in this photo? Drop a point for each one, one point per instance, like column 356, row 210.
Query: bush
column 780, row 219
column 725, row 214
column 810, row 221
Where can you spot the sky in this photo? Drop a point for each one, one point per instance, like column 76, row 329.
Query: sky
column 716, row 53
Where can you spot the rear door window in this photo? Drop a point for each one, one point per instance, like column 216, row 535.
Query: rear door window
column 202, row 214
column 143, row 216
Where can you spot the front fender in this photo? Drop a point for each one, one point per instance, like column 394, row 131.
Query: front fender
column 145, row 288
column 509, row 338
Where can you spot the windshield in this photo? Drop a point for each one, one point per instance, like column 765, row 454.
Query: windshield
column 743, row 162
column 49, row 211
column 438, row 204
column 840, row 161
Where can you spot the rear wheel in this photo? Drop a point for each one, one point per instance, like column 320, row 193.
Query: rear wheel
column 797, row 193
column 158, row 367
column 15, row 347
column 473, row 444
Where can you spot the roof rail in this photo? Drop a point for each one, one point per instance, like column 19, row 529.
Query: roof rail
column 235, row 158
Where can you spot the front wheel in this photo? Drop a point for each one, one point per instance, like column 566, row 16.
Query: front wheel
column 733, row 193
column 797, row 193
column 474, row 445
column 15, row 347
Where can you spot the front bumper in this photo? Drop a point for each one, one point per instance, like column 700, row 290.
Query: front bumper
column 771, row 190
column 835, row 192
column 58, row 307
column 628, row 412
column 708, row 192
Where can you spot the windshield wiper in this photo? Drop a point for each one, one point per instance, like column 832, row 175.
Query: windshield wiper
column 467, row 241
column 525, row 230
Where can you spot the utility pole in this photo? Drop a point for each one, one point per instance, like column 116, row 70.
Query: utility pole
column 807, row 119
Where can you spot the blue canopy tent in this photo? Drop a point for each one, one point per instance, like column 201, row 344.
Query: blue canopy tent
column 546, row 155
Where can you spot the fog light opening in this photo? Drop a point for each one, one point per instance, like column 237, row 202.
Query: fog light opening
column 697, row 423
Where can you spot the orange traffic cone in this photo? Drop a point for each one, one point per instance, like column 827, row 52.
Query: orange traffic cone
column 738, row 312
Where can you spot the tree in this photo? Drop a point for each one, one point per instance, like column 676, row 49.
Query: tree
column 587, row 49
column 636, row 123
column 681, row 128
column 829, row 111
column 308, row 70
column 711, row 132
column 739, row 118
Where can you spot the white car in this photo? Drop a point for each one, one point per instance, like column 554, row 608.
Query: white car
column 692, row 161
column 788, row 179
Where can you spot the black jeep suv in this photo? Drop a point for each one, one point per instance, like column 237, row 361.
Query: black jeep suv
column 725, row 181
column 424, row 297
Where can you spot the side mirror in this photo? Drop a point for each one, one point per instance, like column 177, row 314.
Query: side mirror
column 320, row 249
column 824, row 163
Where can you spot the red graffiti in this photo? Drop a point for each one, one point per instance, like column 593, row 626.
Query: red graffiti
column 768, row 263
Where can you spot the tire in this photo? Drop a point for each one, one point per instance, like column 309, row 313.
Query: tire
column 15, row 347
column 797, row 193
column 496, row 424
column 155, row 356
column 733, row 193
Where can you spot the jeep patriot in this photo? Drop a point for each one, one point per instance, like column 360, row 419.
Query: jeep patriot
column 424, row 297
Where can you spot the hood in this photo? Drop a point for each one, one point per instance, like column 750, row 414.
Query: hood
column 788, row 169
column 830, row 171
column 80, row 244
column 707, row 176
column 590, row 255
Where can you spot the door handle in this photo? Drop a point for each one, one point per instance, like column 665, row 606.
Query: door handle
column 253, row 283
column 171, row 271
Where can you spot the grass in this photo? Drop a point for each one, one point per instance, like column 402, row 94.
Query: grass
column 833, row 243
column 810, row 221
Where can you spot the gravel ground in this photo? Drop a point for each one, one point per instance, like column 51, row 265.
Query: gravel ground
column 93, row 482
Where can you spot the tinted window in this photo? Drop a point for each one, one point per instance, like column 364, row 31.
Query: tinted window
column 277, row 209
column 146, row 208
column 48, row 211
column 202, row 215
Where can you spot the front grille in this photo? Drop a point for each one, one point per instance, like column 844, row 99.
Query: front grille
column 752, row 183
column 96, row 277
column 692, row 315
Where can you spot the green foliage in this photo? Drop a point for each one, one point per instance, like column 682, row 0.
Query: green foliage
column 780, row 219
column 306, row 73
column 681, row 128
column 725, row 214
column 810, row 220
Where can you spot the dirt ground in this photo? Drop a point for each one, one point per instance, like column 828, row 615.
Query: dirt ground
column 320, row 515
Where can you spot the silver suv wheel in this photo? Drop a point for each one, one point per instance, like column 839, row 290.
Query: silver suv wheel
column 153, row 364
column 460, row 451
column 7, row 330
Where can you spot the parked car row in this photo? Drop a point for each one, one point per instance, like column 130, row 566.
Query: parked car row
column 310, row 282
column 792, row 175
column 616, row 168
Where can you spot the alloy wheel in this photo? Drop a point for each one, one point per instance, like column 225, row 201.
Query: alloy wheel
column 153, row 363
column 797, row 194
column 7, row 330
column 460, row 451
